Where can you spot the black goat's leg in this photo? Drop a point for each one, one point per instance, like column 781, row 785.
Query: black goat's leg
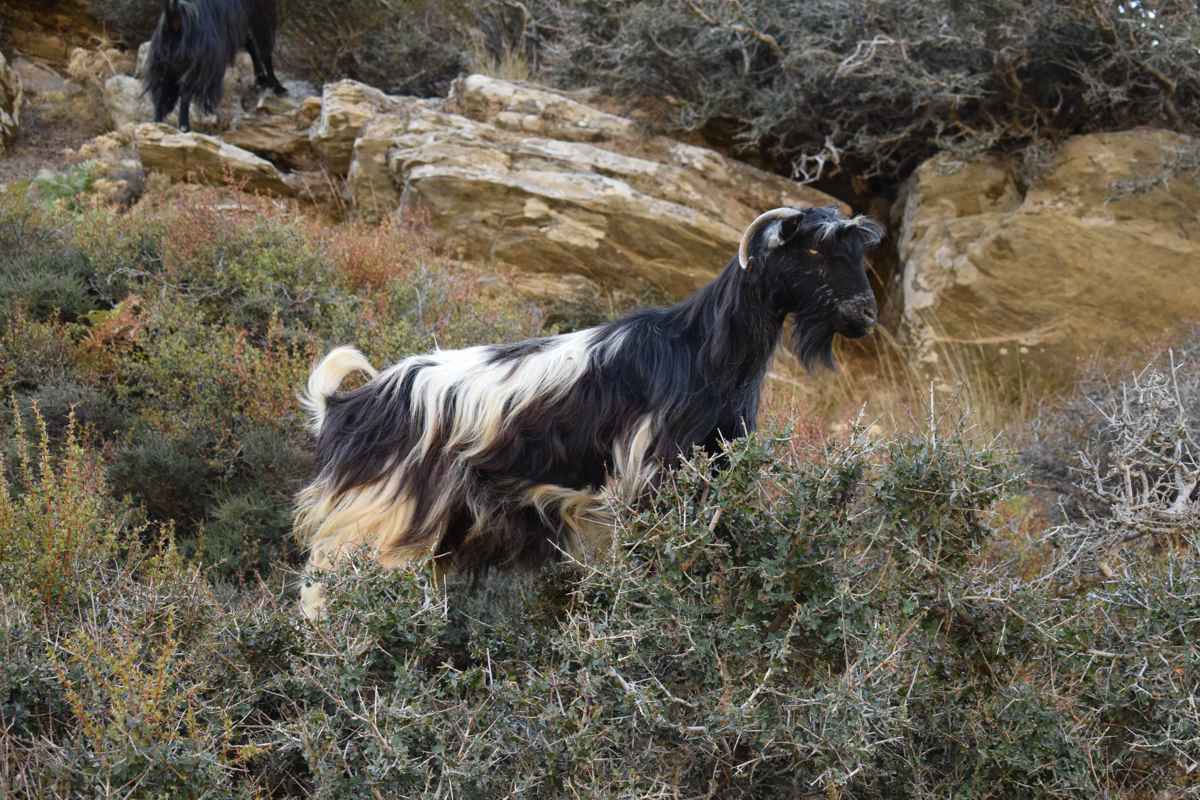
column 273, row 82
column 260, row 74
column 185, row 110
column 165, row 100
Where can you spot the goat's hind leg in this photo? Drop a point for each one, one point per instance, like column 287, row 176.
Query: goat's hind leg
column 185, row 110
column 165, row 99
column 258, row 44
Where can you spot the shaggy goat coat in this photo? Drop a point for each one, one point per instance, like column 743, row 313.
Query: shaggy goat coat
column 502, row 455
column 194, row 43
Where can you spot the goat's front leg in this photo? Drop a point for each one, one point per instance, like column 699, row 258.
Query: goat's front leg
column 312, row 593
column 185, row 108
column 166, row 99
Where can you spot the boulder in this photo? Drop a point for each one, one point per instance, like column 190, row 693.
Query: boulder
column 11, row 96
column 524, row 108
column 346, row 108
column 125, row 102
column 1096, row 255
column 38, row 78
column 603, row 203
column 278, row 128
column 204, row 158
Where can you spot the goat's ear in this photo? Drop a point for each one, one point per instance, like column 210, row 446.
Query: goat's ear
column 790, row 228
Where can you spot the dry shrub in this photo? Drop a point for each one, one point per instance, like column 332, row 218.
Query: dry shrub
column 59, row 526
column 371, row 256
column 826, row 85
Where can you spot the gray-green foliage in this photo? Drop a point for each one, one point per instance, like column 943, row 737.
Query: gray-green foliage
column 768, row 629
column 816, row 83
column 771, row 623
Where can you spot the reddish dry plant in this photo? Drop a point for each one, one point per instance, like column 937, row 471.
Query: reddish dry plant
column 111, row 336
column 266, row 377
column 370, row 256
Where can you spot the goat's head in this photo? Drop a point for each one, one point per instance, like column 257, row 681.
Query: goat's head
column 175, row 15
column 811, row 263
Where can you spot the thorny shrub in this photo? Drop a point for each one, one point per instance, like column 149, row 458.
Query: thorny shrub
column 760, row 627
column 880, row 86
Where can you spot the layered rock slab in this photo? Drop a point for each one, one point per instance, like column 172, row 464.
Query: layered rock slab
column 1094, row 256
column 200, row 157
column 533, row 180
column 10, row 104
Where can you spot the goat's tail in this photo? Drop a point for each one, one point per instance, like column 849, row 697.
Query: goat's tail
column 326, row 379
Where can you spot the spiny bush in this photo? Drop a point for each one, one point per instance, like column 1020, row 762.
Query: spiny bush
column 877, row 87
column 767, row 628
column 762, row 626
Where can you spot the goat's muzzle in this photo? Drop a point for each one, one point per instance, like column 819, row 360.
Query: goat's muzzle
column 856, row 317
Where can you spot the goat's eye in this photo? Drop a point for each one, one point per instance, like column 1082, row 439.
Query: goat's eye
column 813, row 253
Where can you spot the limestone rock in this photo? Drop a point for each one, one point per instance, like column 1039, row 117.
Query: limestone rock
column 530, row 109
column 49, row 30
column 38, row 78
column 199, row 157
column 346, row 108
column 1074, row 267
column 632, row 213
column 11, row 96
column 278, row 128
column 125, row 102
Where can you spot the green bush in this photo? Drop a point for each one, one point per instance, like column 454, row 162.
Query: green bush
column 179, row 333
column 777, row 622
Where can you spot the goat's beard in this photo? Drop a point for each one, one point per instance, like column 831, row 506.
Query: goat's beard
column 811, row 341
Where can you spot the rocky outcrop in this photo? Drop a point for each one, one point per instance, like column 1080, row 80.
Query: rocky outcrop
column 197, row 156
column 51, row 30
column 522, row 108
column 203, row 158
column 10, row 104
column 125, row 103
column 1094, row 255
column 346, row 108
column 571, row 200
column 538, row 182
column 278, row 128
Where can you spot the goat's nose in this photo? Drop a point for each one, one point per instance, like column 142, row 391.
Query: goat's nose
column 858, row 309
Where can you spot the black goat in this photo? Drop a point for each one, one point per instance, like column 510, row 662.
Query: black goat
column 501, row 455
column 194, row 43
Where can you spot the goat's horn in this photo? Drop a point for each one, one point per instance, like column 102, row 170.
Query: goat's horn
column 763, row 219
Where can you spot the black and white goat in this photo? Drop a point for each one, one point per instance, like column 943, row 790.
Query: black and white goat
column 502, row 455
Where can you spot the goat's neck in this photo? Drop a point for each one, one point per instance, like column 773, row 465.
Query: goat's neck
column 738, row 325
